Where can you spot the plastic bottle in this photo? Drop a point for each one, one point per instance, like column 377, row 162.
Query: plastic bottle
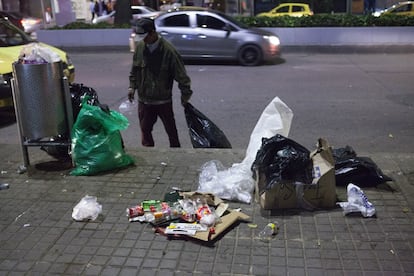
column 268, row 232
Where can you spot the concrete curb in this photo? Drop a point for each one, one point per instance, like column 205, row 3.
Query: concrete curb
column 355, row 36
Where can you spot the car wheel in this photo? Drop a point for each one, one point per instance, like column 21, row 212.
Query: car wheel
column 250, row 55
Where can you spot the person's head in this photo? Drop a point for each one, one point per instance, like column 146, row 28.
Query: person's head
column 146, row 26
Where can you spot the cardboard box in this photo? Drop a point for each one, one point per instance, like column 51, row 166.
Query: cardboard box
column 321, row 193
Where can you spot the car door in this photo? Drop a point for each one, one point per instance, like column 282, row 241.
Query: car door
column 176, row 28
column 406, row 9
column 297, row 10
column 282, row 10
column 214, row 36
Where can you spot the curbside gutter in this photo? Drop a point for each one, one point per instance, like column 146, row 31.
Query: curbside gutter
column 377, row 37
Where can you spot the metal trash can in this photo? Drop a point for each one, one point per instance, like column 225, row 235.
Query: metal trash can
column 42, row 103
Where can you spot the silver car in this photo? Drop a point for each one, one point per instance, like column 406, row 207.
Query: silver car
column 209, row 34
column 144, row 11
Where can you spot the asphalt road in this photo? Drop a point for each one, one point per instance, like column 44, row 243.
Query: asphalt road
column 362, row 100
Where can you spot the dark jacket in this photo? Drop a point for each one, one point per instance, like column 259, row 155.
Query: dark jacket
column 153, row 74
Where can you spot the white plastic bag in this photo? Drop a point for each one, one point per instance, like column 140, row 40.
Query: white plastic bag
column 276, row 118
column 36, row 53
column 236, row 183
column 88, row 208
column 128, row 108
column 357, row 202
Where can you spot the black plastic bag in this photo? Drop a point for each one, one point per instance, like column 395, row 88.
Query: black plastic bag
column 281, row 159
column 203, row 132
column 343, row 153
column 77, row 93
column 361, row 171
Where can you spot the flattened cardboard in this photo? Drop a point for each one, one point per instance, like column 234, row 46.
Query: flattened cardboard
column 226, row 221
column 321, row 193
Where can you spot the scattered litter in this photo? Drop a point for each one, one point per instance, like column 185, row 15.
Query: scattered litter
column 252, row 225
column 191, row 215
column 21, row 169
column 19, row 216
column 269, row 232
column 3, row 172
column 26, row 225
column 357, row 202
column 4, row 186
column 87, row 209
column 163, row 164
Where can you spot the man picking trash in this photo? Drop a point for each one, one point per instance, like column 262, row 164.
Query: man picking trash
column 156, row 64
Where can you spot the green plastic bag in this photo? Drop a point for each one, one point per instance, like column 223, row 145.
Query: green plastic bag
column 96, row 141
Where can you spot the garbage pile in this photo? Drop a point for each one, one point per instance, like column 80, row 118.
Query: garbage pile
column 187, row 215
column 284, row 174
column 236, row 183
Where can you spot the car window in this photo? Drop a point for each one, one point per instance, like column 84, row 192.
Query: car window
column 9, row 37
column 209, row 22
column 137, row 11
column 179, row 20
column 297, row 8
column 403, row 8
column 283, row 9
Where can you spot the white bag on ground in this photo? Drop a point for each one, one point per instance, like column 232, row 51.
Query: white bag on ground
column 357, row 202
column 88, row 208
column 236, row 183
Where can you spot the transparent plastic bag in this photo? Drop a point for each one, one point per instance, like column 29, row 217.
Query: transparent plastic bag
column 88, row 208
column 128, row 108
column 235, row 183
column 35, row 53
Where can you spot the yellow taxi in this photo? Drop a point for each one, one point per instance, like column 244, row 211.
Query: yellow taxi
column 289, row 9
column 12, row 41
column 400, row 8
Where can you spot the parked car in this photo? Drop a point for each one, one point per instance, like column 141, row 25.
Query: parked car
column 144, row 11
column 105, row 18
column 28, row 24
column 289, row 9
column 400, row 8
column 210, row 34
column 12, row 41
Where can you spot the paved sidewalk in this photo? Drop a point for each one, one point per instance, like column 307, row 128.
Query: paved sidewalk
column 39, row 237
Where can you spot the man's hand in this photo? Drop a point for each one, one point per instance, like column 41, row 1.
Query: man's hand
column 131, row 93
column 185, row 99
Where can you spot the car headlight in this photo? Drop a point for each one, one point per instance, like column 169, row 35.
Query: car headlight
column 272, row 39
